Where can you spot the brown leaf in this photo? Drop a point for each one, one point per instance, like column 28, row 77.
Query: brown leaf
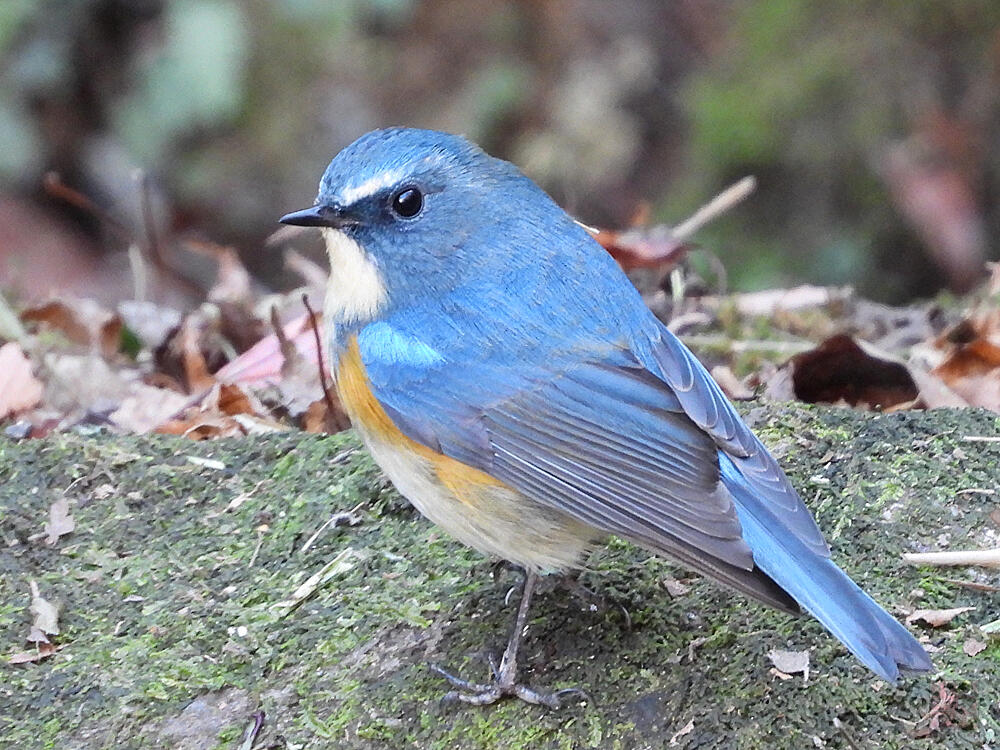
column 202, row 427
column 46, row 614
column 973, row 646
column 147, row 407
column 790, row 662
column 318, row 418
column 653, row 247
column 971, row 364
column 19, row 389
column 674, row 587
column 196, row 372
column 840, row 370
column 936, row 618
column 43, row 651
column 60, row 522
column 230, row 400
column 82, row 321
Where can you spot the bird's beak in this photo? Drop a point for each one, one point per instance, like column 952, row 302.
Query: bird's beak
column 336, row 217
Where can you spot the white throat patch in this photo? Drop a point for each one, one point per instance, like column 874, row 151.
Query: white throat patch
column 356, row 291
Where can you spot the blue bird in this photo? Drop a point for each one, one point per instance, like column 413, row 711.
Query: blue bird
column 509, row 380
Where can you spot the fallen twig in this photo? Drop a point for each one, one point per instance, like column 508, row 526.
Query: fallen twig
column 721, row 203
column 987, row 558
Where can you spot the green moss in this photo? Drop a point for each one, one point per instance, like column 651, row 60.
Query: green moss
column 171, row 583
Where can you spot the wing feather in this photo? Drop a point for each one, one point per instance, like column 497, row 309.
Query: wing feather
column 608, row 441
column 703, row 401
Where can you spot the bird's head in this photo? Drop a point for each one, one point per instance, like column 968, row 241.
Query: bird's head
column 409, row 213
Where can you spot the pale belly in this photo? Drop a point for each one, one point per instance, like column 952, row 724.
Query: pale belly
column 492, row 518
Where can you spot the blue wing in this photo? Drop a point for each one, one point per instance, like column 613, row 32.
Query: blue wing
column 630, row 435
column 602, row 439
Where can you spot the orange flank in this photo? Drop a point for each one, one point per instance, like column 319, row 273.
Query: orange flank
column 356, row 395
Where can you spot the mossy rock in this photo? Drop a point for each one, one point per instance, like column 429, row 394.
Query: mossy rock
column 173, row 631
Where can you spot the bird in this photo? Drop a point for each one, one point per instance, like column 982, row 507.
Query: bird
column 509, row 380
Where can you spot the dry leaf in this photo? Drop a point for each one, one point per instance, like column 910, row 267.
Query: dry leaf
column 648, row 247
column 79, row 382
column 319, row 419
column 151, row 322
column 46, row 614
column 196, row 373
column 674, row 587
column 43, row 651
column 972, row 646
column 60, row 522
column 790, row 662
column 934, row 394
column 232, row 283
column 232, row 400
column 82, row 321
column 841, row 370
column 936, row 617
column 202, row 427
column 971, row 367
column 259, row 425
column 686, row 729
column 300, row 379
column 147, row 407
column 19, row 389
column 339, row 565
column 731, row 385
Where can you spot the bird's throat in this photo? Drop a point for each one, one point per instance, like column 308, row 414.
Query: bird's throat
column 356, row 292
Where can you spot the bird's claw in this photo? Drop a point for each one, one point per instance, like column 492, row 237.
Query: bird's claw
column 478, row 694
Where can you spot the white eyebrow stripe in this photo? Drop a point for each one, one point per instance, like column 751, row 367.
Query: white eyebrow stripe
column 371, row 186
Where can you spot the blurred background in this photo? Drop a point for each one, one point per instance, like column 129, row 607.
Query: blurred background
column 873, row 128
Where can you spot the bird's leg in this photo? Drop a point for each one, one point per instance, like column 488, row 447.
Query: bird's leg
column 504, row 678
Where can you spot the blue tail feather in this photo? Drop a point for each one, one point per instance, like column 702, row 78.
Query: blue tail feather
column 823, row 589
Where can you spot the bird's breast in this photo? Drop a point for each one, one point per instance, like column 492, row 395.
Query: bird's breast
column 469, row 504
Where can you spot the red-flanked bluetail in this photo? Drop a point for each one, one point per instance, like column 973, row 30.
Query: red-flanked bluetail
column 511, row 383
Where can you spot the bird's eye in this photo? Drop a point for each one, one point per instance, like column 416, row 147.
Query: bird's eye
column 407, row 202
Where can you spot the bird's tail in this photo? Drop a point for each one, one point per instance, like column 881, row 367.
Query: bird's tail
column 823, row 589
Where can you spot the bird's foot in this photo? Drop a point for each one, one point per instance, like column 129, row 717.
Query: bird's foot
column 502, row 686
